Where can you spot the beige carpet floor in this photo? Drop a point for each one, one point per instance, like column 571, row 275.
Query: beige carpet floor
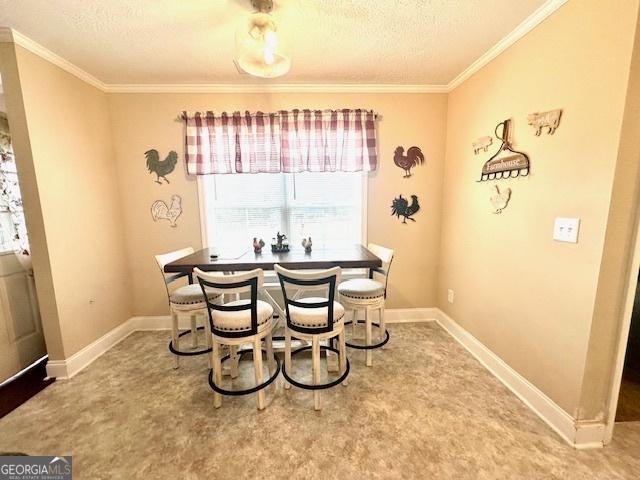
column 426, row 409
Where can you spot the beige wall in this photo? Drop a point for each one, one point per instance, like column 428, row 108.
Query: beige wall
column 526, row 297
column 31, row 199
column 144, row 121
column 618, row 251
column 550, row 310
column 76, row 176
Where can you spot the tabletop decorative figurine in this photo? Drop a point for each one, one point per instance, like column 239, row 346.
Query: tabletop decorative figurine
column 307, row 243
column 257, row 245
column 280, row 243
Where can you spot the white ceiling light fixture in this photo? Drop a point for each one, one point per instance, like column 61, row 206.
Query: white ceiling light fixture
column 262, row 49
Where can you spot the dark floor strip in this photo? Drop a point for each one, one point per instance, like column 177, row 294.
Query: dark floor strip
column 22, row 388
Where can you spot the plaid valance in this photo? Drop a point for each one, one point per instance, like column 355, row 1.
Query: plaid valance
column 285, row 141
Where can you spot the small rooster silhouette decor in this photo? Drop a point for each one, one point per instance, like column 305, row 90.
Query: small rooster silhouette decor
column 160, row 210
column 257, row 245
column 500, row 200
column 400, row 208
column 406, row 162
column 161, row 167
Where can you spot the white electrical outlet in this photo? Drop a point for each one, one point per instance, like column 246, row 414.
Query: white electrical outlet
column 450, row 296
column 566, row 229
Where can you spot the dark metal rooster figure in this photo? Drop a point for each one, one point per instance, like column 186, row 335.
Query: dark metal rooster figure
column 406, row 162
column 161, row 167
column 400, row 208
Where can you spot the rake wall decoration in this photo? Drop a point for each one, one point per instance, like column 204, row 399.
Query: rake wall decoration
column 506, row 162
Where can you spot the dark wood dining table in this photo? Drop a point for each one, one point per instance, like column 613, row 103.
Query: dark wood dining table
column 348, row 256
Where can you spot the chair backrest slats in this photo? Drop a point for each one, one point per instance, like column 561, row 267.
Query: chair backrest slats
column 166, row 258
column 225, row 284
column 386, row 255
column 309, row 280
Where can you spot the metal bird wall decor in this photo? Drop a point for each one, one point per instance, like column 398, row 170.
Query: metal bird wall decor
column 500, row 199
column 161, row 211
column 400, row 207
column 406, row 162
column 161, row 167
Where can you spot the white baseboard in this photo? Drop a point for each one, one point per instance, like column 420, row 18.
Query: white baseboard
column 392, row 315
column 64, row 369
column 579, row 435
column 410, row 315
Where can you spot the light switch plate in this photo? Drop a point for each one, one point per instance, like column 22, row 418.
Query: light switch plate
column 566, row 229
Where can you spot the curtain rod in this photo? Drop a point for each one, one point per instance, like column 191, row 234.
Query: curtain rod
column 187, row 114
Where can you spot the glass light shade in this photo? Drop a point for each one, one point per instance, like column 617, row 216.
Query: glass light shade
column 262, row 47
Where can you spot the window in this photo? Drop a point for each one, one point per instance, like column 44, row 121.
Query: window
column 328, row 207
column 13, row 231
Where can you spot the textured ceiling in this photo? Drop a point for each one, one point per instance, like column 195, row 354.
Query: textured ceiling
column 335, row 41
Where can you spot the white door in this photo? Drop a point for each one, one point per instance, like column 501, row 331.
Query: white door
column 21, row 339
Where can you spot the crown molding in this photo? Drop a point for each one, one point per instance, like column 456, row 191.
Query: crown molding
column 535, row 19
column 12, row 36
column 277, row 88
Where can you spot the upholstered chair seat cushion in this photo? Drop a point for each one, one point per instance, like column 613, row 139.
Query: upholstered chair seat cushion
column 314, row 317
column 190, row 295
column 361, row 288
column 241, row 319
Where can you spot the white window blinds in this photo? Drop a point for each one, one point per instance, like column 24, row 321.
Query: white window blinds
column 327, row 207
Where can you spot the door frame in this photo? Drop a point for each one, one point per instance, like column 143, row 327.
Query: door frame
column 633, row 268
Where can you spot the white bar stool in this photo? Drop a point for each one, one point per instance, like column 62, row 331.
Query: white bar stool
column 313, row 319
column 369, row 295
column 236, row 323
column 185, row 300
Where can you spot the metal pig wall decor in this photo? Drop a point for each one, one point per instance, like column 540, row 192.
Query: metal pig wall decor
column 400, row 207
column 549, row 120
column 506, row 162
column 160, row 210
column 500, row 199
column 482, row 143
column 161, row 167
column 413, row 158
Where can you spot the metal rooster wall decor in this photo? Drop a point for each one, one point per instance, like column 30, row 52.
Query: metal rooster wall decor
column 161, row 167
column 400, row 207
column 500, row 199
column 160, row 210
column 506, row 162
column 406, row 162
